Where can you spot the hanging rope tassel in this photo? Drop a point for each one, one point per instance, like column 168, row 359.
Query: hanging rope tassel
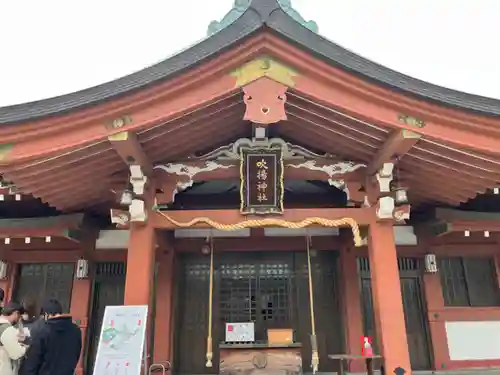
column 314, row 339
column 210, row 353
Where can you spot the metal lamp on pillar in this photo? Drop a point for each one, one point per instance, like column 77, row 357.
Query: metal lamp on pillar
column 82, row 269
column 400, row 196
column 126, row 198
column 4, row 269
column 401, row 202
column 430, row 263
column 137, row 212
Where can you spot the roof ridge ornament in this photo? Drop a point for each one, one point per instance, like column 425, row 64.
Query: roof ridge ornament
column 264, row 8
column 239, row 7
column 287, row 7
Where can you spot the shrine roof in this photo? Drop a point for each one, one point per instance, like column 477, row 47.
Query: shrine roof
column 245, row 19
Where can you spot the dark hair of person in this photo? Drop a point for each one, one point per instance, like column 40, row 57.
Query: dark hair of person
column 52, row 307
column 11, row 308
column 29, row 305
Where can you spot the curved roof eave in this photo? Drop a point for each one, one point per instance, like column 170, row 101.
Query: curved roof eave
column 258, row 14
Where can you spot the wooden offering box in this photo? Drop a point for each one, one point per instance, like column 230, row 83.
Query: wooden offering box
column 280, row 336
column 260, row 359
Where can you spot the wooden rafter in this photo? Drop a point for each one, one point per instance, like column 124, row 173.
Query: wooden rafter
column 128, row 147
column 397, row 145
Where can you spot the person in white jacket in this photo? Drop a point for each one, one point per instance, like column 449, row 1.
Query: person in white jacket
column 11, row 349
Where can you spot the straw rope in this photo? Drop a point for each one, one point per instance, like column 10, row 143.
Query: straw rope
column 210, row 352
column 314, row 340
column 272, row 222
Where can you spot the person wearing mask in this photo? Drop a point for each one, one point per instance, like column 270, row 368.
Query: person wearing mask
column 55, row 350
column 11, row 350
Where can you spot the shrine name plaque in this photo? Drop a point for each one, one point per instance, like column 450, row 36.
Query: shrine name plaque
column 261, row 181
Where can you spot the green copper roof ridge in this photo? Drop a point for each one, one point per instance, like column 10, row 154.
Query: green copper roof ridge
column 241, row 6
column 287, row 7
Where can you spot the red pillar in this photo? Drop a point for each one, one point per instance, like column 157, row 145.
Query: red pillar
column 387, row 299
column 435, row 304
column 164, row 307
column 140, row 264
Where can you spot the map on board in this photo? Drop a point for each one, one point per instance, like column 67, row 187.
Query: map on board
column 121, row 342
column 240, row 332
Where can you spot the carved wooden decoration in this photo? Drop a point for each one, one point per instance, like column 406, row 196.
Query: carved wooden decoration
column 386, row 203
column 120, row 218
column 265, row 101
column 186, row 173
column 299, row 163
column 264, row 66
column 332, row 170
column 264, row 362
column 402, row 213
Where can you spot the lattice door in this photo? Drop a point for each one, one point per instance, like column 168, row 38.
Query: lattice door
column 39, row 282
column 330, row 333
column 268, row 288
column 192, row 316
column 414, row 309
column 108, row 290
column 256, row 288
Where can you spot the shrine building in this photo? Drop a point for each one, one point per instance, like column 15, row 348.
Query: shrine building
column 264, row 175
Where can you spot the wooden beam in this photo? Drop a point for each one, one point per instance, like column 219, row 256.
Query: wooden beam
column 397, row 145
column 71, row 227
column 433, row 228
column 363, row 216
column 448, row 220
column 172, row 176
column 130, row 150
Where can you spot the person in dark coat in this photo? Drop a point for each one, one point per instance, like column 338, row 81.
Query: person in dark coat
column 2, row 297
column 54, row 350
column 32, row 321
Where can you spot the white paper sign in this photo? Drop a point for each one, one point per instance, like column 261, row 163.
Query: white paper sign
column 121, row 342
column 240, row 332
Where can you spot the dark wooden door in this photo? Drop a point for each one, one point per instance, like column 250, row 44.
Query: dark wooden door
column 327, row 308
column 413, row 306
column 191, row 300
column 39, row 282
column 107, row 290
column 268, row 288
column 416, row 327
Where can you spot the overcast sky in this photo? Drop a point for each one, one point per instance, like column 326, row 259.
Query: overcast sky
column 53, row 47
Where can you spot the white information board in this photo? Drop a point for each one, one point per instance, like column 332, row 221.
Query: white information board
column 240, row 332
column 473, row 340
column 121, row 342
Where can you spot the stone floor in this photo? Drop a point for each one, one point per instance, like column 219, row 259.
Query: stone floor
column 471, row 371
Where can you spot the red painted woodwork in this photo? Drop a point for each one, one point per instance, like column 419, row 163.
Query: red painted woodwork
column 265, row 101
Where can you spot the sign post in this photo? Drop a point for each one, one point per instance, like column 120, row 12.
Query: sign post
column 122, row 342
column 261, row 181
